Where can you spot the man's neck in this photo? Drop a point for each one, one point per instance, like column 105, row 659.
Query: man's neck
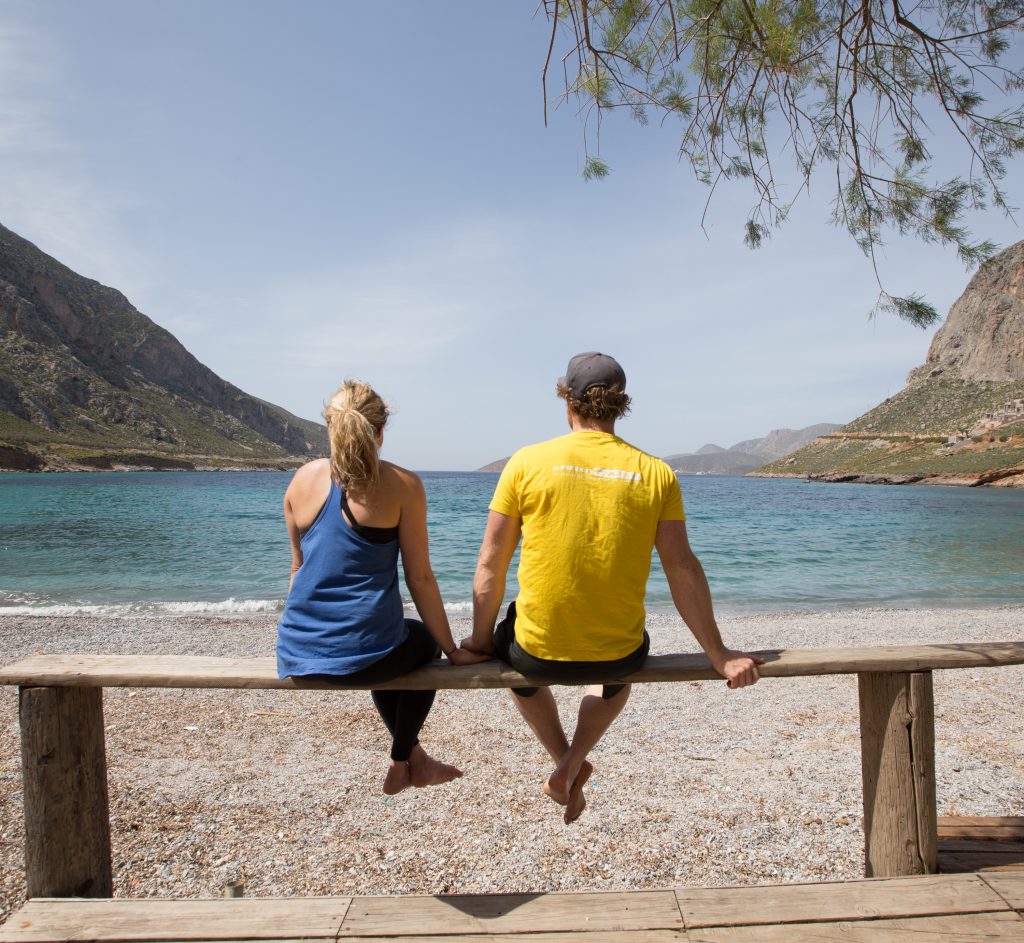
column 578, row 424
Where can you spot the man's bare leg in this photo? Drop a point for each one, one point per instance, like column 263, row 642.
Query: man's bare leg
column 595, row 717
column 540, row 711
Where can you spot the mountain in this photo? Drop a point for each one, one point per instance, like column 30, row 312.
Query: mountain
column 743, row 457
column 960, row 418
column 495, row 466
column 748, row 455
column 87, row 381
column 780, row 442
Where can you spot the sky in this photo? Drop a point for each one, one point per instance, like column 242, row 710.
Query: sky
column 307, row 191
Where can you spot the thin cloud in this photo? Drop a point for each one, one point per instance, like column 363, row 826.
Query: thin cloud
column 44, row 197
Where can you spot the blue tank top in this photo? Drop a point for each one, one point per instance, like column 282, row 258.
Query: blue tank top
column 344, row 611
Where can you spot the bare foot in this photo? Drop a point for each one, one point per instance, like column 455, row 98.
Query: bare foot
column 559, row 784
column 577, row 801
column 397, row 778
column 424, row 770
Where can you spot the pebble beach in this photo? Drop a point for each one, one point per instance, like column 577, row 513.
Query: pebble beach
column 694, row 785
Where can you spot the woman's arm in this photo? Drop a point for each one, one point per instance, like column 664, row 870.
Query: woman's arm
column 303, row 500
column 419, row 577
column 294, row 534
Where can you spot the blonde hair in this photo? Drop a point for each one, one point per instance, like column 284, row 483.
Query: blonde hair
column 355, row 416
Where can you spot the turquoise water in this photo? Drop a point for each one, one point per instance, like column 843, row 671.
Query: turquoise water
column 215, row 542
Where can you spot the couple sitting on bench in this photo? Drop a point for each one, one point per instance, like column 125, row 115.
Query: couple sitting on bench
column 589, row 508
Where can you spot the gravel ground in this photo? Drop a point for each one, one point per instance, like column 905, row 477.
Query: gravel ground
column 695, row 784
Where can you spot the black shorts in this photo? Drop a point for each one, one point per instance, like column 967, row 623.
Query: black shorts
column 563, row 672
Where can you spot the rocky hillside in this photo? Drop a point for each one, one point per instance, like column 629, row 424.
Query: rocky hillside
column 86, row 381
column 960, row 419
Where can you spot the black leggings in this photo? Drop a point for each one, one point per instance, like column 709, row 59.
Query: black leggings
column 562, row 672
column 403, row 712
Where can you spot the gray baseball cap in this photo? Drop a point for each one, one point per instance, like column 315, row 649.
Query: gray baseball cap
column 591, row 369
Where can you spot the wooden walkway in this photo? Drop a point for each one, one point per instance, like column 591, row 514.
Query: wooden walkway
column 946, row 908
column 973, row 843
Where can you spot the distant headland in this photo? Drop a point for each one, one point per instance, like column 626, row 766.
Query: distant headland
column 960, row 418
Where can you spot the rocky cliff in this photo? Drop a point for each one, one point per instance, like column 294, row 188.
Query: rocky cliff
column 983, row 336
column 960, row 419
column 86, row 380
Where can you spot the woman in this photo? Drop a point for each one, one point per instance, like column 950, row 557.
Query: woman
column 348, row 518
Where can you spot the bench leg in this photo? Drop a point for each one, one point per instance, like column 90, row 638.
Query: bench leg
column 64, row 766
column 897, row 740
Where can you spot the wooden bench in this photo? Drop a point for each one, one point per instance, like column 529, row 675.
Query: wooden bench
column 67, row 828
column 957, row 907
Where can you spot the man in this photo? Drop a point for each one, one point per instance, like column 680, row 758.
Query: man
column 590, row 507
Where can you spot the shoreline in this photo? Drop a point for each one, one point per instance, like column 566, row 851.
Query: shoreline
column 695, row 785
column 993, row 478
column 461, row 611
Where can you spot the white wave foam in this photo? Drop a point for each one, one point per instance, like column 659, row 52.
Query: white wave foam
column 452, row 607
column 227, row 607
column 224, row 607
column 57, row 609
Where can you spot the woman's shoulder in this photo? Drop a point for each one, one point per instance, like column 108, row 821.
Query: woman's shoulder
column 401, row 479
column 314, row 469
column 310, row 475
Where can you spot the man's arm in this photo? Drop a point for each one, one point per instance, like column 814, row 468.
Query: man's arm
column 500, row 541
column 692, row 598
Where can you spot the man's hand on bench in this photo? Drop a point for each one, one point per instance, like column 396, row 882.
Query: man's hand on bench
column 738, row 668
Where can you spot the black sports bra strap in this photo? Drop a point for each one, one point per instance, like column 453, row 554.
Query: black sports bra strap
column 376, row 535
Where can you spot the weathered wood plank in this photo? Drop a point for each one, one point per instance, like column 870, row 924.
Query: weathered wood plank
column 981, row 846
column 1008, row 886
column 956, row 862
column 922, row 748
column 953, row 929
column 984, row 832
column 897, row 734
column 1001, row 821
column 56, row 920
column 64, row 775
column 843, row 900
column 611, row 911
column 197, row 671
column 562, row 936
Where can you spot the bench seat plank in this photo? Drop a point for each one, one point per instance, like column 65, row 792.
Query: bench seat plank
column 46, row 920
column 617, row 911
column 837, row 901
column 200, row 671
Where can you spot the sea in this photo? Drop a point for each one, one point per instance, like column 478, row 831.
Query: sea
column 215, row 543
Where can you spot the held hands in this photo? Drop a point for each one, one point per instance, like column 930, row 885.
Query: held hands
column 469, row 644
column 463, row 656
column 738, row 668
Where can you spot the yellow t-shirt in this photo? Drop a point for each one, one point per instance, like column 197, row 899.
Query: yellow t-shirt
column 590, row 504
